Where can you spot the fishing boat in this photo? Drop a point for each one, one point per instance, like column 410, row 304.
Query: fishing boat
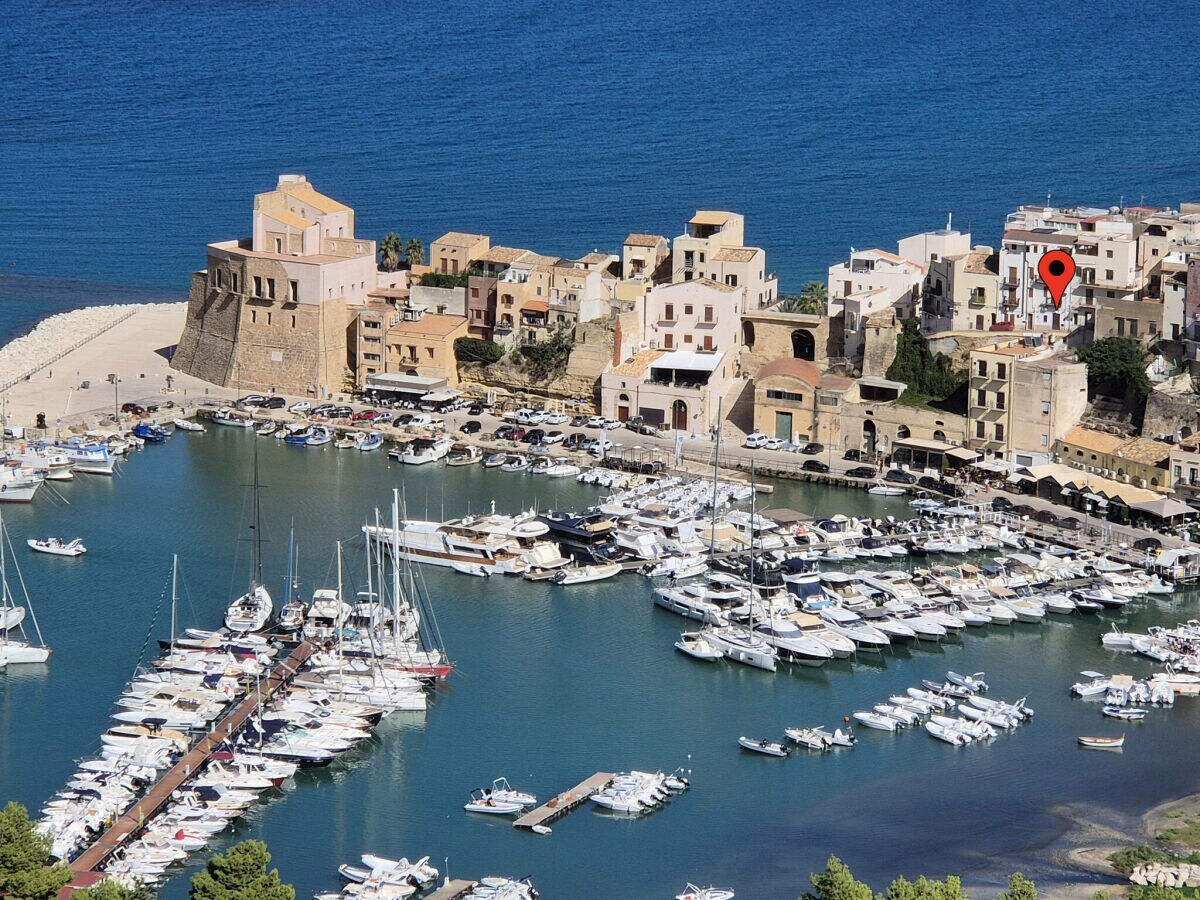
column 319, row 437
column 150, row 432
column 368, row 441
column 57, row 546
column 187, row 425
column 1101, row 743
column 693, row 644
column 584, row 574
column 883, row 489
column 226, row 416
column 463, row 455
column 516, row 463
column 768, row 747
column 347, row 441
column 267, row 428
column 495, row 461
column 1120, row 712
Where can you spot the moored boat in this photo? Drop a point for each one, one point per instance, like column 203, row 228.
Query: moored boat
column 765, row 746
column 1101, row 743
column 57, row 547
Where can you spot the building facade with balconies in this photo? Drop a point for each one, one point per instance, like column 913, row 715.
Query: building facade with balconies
column 961, row 292
column 406, row 341
column 869, row 282
column 274, row 311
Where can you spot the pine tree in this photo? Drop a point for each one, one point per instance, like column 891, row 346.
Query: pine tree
column 1019, row 888
column 837, row 883
column 240, row 874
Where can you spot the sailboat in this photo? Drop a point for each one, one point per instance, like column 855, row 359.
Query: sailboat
column 291, row 616
column 16, row 651
column 252, row 611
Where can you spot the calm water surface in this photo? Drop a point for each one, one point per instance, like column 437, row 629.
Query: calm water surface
column 553, row 684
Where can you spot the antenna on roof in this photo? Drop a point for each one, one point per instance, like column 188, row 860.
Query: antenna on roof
column 1047, row 198
column 949, row 219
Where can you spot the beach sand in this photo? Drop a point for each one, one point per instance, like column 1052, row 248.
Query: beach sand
column 132, row 342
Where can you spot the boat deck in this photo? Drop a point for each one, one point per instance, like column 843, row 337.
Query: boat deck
column 451, row 890
column 136, row 816
column 565, row 802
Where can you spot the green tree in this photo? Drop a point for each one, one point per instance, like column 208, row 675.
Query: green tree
column 925, row 373
column 111, row 890
column 548, row 359
column 1117, row 365
column 1019, row 888
column 24, row 855
column 812, row 299
column 837, row 883
column 1156, row 892
column 926, row 889
column 468, row 349
column 240, row 874
column 414, row 253
column 390, row 249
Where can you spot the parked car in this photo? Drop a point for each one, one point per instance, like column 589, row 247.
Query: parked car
column 929, row 483
column 773, row 444
column 554, row 437
column 595, row 422
column 613, row 424
column 342, row 412
column 518, row 433
column 252, row 400
column 579, row 421
column 134, row 408
column 302, row 407
column 556, row 419
column 814, row 465
column 899, row 476
column 1002, row 504
column 474, row 426
column 812, row 448
column 860, row 472
column 600, row 446
column 1045, row 517
column 475, row 410
column 404, row 418
column 504, row 432
column 527, row 416
column 1070, row 523
column 273, row 403
column 754, row 440
column 367, row 415
column 1023, row 510
column 852, row 456
column 383, row 418
column 534, row 436
column 1148, row 545
column 575, row 441
column 423, row 419
column 1002, row 326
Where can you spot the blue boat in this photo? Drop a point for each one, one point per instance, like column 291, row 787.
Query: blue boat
column 151, row 433
column 298, row 437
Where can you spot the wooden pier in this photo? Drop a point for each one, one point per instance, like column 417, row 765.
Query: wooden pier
column 141, row 812
column 452, row 890
column 565, row 802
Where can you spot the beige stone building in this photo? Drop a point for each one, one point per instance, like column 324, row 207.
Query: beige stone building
column 1184, row 464
column 646, row 257
column 454, row 251
column 1022, row 399
column 795, row 402
column 770, row 334
column 1137, row 461
column 874, row 420
column 870, row 282
column 713, row 247
column 274, row 311
column 961, row 292
column 408, row 344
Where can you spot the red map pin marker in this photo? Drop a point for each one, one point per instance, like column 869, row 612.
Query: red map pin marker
column 1056, row 268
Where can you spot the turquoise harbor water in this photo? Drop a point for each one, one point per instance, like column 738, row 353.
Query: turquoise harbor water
column 555, row 683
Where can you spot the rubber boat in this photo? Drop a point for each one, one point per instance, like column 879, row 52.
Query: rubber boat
column 57, row 546
column 770, row 748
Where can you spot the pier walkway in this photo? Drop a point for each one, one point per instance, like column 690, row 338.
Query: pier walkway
column 565, row 802
column 136, row 816
column 452, row 890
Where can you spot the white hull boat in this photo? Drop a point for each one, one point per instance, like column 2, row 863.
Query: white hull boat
column 57, row 547
column 693, row 644
column 187, row 425
column 769, row 748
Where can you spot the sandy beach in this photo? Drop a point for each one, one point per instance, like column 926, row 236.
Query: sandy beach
column 46, row 369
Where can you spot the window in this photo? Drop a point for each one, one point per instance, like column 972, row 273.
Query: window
column 293, row 321
column 371, row 357
column 258, row 286
column 708, row 314
column 981, row 398
column 979, row 429
column 687, row 338
column 235, row 282
column 981, row 368
column 268, row 318
column 220, row 279
column 253, row 316
column 271, row 288
column 702, row 257
column 371, row 323
column 295, row 295
column 687, row 309
column 999, row 432
column 785, row 395
column 429, row 350
column 1108, row 253
column 731, row 280
column 1108, row 274
column 1045, row 407
column 279, row 245
column 475, row 293
column 1045, row 440
column 412, row 353
column 669, row 312
column 1001, row 371
column 1000, row 400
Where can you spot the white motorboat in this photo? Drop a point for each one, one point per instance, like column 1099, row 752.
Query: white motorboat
column 768, row 747
column 692, row 892
column 463, row 455
column 267, row 428
column 57, row 546
column 585, row 574
column 853, row 626
column 883, row 489
column 694, row 645
column 877, row 721
column 741, row 645
column 482, row 803
column 837, row 737
column 948, row 734
column 792, row 644
column 808, row 737
column 319, row 437
column 187, row 425
column 1096, row 685
column 368, row 441
column 226, row 416
column 901, row 714
column 973, row 683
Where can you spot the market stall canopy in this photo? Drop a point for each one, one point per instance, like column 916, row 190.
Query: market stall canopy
column 1164, row 508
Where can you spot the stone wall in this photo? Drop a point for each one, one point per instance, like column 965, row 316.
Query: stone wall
column 879, row 344
column 772, row 338
column 1171, row 408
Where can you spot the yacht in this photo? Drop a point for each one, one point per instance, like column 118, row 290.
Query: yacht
column 590, row 535
column 252, row 611
column 813, row 626
column 742, row 645
column 450, row 543
column 792, row 643
column 327, row 613
column 853, row 626
column 423, row 450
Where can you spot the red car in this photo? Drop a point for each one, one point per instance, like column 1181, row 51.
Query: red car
column 365, row 416
column 1002, row 326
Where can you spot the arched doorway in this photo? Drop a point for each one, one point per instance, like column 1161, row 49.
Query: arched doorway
column 679, row 415
column 622, row 407
column 903, row 432
column 868, row 438
column 803, row 345
column 939, row 436
column 748, row 333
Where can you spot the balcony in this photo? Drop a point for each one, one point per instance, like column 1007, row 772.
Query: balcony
column 502, row 328
column 977, row 301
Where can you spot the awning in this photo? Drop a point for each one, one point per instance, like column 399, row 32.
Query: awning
column 918, row 444
column 688, row 361
column 962, row 453
column 403, row 384
column 441, row 396
column 1164, row 508
column 535, row 306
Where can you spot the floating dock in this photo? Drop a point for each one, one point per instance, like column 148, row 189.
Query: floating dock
column 141, row 812
column 565, row 802
column 452, row 890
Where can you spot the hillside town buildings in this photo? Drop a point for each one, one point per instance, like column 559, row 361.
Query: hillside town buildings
column 697, row 328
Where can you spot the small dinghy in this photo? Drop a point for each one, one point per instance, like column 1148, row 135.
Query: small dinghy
column 57, row 546
column 187, row 425
column 808, row 737
column 770, row 748
column 691, row 892
column 973, row 683
column 470, row 569
column 694, row 645
column 1128, row 715
column 482, row 802
column 582, row 574
column 837, row 737
column 266, row 429
column 1101, row 743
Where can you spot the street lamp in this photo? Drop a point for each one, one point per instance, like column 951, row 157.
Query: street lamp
column 114, row 381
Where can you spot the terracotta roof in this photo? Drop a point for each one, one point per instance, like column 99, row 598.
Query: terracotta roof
column 503, row 255
column 1096, row 441
column 638, row 363
column 793, row 368
column 836, row 383
column 1146, row 452
column 983, row 262
column 736, row 254
column 643, row 240
column 535, row 306
column 289, row 218
column 306, row 193
column 460, row 239
column 430, row 325
column 595, row 259
column 710, row 217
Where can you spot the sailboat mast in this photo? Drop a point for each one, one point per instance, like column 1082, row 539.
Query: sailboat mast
column 257, row 576
column 396, row 571
column 712, row 534
column 174, row 594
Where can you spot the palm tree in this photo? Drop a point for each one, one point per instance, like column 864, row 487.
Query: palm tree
column 815, row 290
column 390, row 249
column 414, row 253
column 812, row 300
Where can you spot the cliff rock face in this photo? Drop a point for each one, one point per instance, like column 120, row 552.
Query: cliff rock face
column 590, row 357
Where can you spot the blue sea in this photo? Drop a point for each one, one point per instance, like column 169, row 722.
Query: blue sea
column 131, row 134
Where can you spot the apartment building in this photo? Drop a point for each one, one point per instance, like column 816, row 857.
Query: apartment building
column 961, row 292
column 273, row 311
column 869, row 282
column 646, row 257
column 713, row 247
column 1136, row 461
column 408, row 344
column 454, row 251
column 1022, row 399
